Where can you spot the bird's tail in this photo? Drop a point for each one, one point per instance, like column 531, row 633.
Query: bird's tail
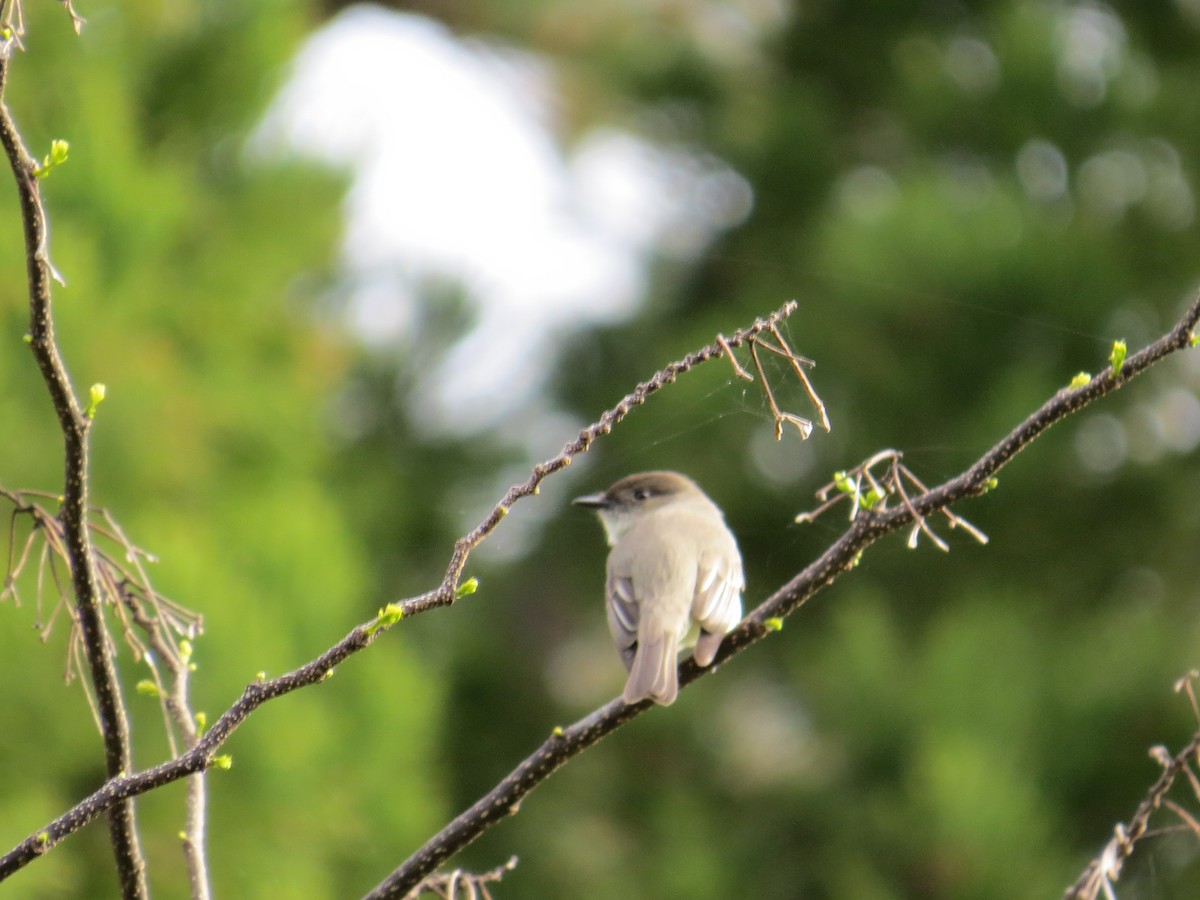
column 654, row 674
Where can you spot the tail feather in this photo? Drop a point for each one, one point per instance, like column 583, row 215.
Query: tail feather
column 654, row 673
column 706, row 648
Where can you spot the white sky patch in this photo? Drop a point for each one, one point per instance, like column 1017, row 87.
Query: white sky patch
column 458, row 175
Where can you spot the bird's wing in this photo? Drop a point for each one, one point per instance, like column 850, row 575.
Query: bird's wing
column 621, row 607
column 717, row 606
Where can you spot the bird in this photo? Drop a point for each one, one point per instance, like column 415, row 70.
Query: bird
column 674, row 574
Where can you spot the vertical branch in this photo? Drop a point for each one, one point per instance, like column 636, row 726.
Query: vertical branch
column 177, row 658
column 74, row 424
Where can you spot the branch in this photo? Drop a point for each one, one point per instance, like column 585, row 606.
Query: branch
column 447, row 886
column 869, row 526
column 203, row 754
column 164, row 624
column 1106, row 868
column 110, row 705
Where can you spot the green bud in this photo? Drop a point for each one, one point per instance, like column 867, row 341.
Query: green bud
column 96, row 397
column 388, row 616
column 1116, row 357
column 1081, row 380
column 59, row 151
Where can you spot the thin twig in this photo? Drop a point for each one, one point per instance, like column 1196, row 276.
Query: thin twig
column 799, row 364
column 448, row 884
column 126, row 586
column 1185, row 685
column 1106, row 868
column 848, row 486
column 1102, row 871
column 177, row 704
column 781, row 418
column 13, row 19
column 738, row 370
column 1189, row 820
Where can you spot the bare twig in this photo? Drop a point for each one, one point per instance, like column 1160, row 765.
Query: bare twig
column 802, row 425
column 176, row 705
column 12, row 20
column 118, row 754
column 799, row 364
column 1105, row 869
column 848, row 486
column 461, row 885
column 1189, row 820
column 77, row 21
column 124, row 584
column 738, row 370
column 1102, row 871
column 1186, row 685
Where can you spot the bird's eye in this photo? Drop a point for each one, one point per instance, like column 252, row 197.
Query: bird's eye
column 642, row 494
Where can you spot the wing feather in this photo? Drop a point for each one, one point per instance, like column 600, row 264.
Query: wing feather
column 717, row 607
column 621, row 607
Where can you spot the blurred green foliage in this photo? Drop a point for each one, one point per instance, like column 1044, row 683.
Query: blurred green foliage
column 970, row 200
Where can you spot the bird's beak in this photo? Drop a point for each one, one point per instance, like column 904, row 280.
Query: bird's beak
column 592, row 501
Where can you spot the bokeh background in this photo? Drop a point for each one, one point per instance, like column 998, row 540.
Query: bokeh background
column 348, row 272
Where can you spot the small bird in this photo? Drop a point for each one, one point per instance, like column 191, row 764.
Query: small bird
column 674, row 569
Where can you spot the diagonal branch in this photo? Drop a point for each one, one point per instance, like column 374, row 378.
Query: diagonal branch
column 74, row 424
column 867, row 527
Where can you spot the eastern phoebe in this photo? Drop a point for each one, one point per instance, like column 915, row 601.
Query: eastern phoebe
column 674, row 565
